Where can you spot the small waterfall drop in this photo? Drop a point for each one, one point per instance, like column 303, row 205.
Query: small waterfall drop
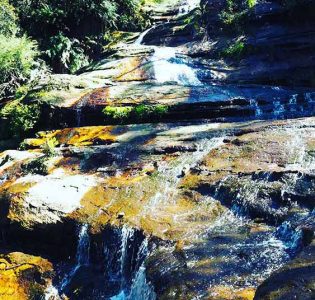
column 82, row 255
column 51, row 293
column 188, row 6
column 139, row 288
column 166, row 65
column 127, row 234
column 168, row 68
column 82, row 259
column 139, row 40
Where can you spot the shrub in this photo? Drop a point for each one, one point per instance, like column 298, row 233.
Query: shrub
column 236, row 13
column 235, row 50
column 8, row 19
column 67, row 53
column 17, row 61
column 49, row 146
column 251, row 3
column 22, row 117
column 138, row 113
column 72, row 29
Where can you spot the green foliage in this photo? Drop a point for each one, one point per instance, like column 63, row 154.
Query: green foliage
column 138, row 113
column 143, row 111
column 49, row 146
column 235, row 50
column 117, row 113
column 236, row 13
column 67, row 52
column 72, row 29
column 251, row 3
column 8, row 19
column 22, row 117
column 17, row 61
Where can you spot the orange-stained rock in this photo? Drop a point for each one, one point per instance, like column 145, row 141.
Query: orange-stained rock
column 23, row 276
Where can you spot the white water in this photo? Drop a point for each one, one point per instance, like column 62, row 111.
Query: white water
column 82, row 255
column 82, row 259
column 166, row 65
column 139, row 40
column 127, row 234
column 168, row 68
column 51, row 293
column 188, row 6
column 140, row 289
column 170, row 173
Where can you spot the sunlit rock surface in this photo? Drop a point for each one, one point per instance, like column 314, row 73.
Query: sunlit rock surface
column 217, row 194
column 23, row 276
column 149, row 177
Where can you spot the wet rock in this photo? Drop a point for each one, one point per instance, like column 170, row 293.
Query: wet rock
column 293, row 281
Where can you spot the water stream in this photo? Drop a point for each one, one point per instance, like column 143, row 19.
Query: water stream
column 249, row 255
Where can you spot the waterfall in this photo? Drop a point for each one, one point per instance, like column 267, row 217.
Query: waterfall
column 82, row 255
column 127, row 234
column 255, row 105
column 139, row 289
column 139, row 40
column 166, row 65
column 168, row 68
column 78, row 116
column 188, row 6
column 51, row 293
column 279, row 109
column 82, row 259
column 292, row 238
column 170, row 173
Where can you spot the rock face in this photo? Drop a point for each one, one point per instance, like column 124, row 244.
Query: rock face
column 183, row 186
column 23, row 276
column 148, row 177
column 278, row 41
column 294, row 281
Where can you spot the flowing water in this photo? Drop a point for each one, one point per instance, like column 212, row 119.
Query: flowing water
column 170, row 174
column 169, row 68
column 82, row 256
column 243, row 254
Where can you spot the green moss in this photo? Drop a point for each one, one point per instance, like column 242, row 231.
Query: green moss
column 49, row 146
column 143, row 111
column 234, row 51
column 251, row 3
column 138, row 113
column 117, row 113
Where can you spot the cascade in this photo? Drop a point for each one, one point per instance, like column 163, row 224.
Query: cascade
column 127, row 235
column 82, row 259
column 51, row 293
column 167, row 68
column 139, row 288
column 170, row 175
column 292, row 238
column 255, row 105
column 82, row 255
column 139, row 40
column 188, row 6
column 166, row 65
